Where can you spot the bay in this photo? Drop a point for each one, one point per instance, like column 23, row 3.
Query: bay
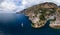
column 10, row 23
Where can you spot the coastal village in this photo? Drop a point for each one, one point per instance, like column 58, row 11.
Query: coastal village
column 41, row 13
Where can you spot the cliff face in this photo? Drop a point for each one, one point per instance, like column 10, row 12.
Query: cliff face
column 38, row 14
column 56, row 24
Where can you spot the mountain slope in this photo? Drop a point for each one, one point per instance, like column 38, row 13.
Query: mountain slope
column 39, row 14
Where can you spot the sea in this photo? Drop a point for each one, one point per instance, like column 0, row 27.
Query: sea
column 10, row 24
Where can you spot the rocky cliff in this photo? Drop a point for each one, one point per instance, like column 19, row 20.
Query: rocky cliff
column 39, row 14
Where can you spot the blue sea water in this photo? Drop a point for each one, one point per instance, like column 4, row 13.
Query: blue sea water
column 10, row 23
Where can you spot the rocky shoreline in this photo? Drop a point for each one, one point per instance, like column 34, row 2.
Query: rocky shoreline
column 39, row 14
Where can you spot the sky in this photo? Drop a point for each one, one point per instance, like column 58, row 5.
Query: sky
column 13, row 6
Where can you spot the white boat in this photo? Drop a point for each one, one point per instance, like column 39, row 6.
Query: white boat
column 21, row 24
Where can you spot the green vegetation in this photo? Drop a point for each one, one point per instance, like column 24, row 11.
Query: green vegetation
column 52, row 10
column 44, row 10
column 42, row 17
column 32, row 23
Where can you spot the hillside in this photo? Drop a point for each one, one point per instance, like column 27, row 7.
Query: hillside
column 40, row 13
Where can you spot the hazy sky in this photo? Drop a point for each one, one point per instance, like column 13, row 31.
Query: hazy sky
column 13, row 6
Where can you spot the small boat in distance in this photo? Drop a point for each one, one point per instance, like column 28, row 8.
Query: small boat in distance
column 22, row 24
